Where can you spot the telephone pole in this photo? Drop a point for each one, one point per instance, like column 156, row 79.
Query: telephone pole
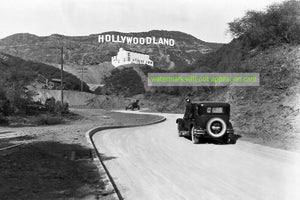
column 62, row 75
column 82, row 80
column 82, row 70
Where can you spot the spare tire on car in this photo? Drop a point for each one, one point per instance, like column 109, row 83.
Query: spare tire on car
column 216, row 127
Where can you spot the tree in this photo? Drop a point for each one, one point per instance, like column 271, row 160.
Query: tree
column 280, row 23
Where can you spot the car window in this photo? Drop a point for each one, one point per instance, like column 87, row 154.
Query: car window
column 214, row 110
column 217, row 110
column 211, row 110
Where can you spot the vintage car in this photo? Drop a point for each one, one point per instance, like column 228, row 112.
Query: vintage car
column 207, row 120
column 133, row 104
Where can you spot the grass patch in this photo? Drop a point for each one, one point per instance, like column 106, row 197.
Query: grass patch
column 46, row 120
column 43, row 119
column 44, row 170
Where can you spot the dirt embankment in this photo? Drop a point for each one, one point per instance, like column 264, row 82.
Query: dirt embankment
column 93, row 74
column 269, row 114
column 54, row 162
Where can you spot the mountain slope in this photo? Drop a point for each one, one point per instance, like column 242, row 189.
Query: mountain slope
column 85, row 50
column 93, row 74
column 269, row 113
column 12, row 67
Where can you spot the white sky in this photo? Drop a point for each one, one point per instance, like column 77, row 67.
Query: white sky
column 204, row 19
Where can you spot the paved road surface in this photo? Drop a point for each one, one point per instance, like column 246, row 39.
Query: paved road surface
column 152, row 162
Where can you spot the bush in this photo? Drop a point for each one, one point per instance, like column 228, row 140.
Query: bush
column 125, row 81
column 61, row 108
column 46, row 120
column 278, row 24
column 4, row 105
column 3, row 120
column 50, row 104
column 56, row 106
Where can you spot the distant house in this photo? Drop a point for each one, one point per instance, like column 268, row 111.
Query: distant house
column 129, row 57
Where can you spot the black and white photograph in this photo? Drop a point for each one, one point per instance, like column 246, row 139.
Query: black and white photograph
column 150, row 100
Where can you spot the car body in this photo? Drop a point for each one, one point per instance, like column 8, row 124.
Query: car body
column 133, row 104
column 207, row 120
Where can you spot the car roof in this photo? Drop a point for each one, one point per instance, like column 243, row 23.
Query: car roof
column 211, row 103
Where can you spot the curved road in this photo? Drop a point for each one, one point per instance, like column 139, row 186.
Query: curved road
column 152, row 162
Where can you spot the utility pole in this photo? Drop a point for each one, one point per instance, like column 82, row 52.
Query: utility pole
column 82, row 70
column 82, row 80
column 62, row 76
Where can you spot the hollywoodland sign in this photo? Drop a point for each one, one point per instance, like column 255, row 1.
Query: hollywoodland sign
column 136, row 40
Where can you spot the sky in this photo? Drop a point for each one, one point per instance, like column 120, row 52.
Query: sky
column 205, row 19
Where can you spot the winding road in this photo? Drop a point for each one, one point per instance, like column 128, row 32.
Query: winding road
column 152, row 162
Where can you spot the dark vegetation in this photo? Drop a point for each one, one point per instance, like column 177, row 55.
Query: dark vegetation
column 278, row 24
column 27, row 112
column 148, row 69
column 124, row 82
column 45, row 170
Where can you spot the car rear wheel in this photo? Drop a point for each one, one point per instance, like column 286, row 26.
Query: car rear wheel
column 179, row 134
column 195, row 139
column 178, row 128
column 216, row 127
column 229, row 140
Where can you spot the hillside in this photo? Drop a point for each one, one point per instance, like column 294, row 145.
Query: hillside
column 85, row 50
column 94, row 74
column 17, row 69
column 269, row 113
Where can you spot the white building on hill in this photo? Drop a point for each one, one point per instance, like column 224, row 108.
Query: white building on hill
column 128, row 57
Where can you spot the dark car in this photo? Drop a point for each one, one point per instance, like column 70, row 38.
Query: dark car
column 207, row 120
column 134, row 104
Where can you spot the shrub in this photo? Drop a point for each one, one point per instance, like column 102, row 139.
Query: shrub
column 56, row 106
column 4, row 104
column 50, row 104
column 125, row 81
column 3, row 120
column 46, row 120
column 280, row 23
column 61, row 108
